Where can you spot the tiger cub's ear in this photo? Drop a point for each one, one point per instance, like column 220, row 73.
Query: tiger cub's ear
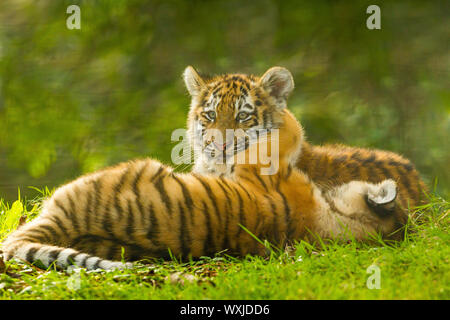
column 193, row 81
column 278, row 82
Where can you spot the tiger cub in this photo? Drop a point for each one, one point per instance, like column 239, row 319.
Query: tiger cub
column 250, row 103
column 146, row 209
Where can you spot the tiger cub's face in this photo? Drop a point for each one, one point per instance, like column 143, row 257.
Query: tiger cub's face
column 229, row 111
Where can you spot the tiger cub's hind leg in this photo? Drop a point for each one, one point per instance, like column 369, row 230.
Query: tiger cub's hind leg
column 363, row 208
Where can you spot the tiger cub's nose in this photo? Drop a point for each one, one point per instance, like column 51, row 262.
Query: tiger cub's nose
column 222, row 146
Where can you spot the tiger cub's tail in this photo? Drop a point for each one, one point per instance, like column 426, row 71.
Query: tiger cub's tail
column 45, row 255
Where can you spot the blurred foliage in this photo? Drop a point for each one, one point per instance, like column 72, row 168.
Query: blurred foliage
column 72, row 101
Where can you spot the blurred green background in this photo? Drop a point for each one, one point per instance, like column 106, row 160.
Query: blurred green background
column 73, row 101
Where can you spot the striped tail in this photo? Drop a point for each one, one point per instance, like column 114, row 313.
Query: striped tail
column 44, row 256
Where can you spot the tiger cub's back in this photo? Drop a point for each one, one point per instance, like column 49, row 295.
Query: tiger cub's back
column 332, row 165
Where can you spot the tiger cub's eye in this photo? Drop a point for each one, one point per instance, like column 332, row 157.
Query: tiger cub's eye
column 211, row 115
column 242, row 116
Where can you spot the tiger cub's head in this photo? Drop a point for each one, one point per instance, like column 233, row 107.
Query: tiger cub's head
column 227, row 111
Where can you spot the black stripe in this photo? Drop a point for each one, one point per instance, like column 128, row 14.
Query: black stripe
column 76, row 243
column 189, row 203
column 406, row 177
column 137, row 191
column 369, row 160
column 87, row 212
column 224, row 181
column 386, row 172
column 50, row 229
column 153, row 230
column 185, row 239
column 130, row 221
column 111, row 253
column 94, row 249
column 107, row 223
column 271, row 180
column 211, row 196
column 208, row 246
column 287, row 213
column 288, row 174
column 311, row 167
column 95, row 240
column 83, row 261
column 228, row 204
column 290, row 228
column 265, row 116
column 406, row 182
column 60, row 206
column 186, row 194
column 372, row 175
column 30, row 254
column 408, row 166
column 70, row 258
column 242, row 177
column 242, row 220
column 60, row 224
column 259, row 219
column 255, row 169
column 338, row 160
column 53, row 255
column 117, row 189
column 159, row 185
column 98, row 197
column 77, row 197
column 356, row 156
column 323, row 166
column 38, row 235
column 245, row 190
column 353, row 169
column 73, row 214
column 156, row 175
column 275, row 225
column 27, row 238
column 216, row 91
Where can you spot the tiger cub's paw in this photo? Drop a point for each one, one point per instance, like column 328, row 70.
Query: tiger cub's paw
column 381, row 197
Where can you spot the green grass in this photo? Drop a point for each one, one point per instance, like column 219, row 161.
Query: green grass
column 417, row 268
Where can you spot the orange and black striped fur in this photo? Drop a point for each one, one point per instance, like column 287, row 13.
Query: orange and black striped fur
column 145, row 208
column 218, row 102
column 333, row 165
